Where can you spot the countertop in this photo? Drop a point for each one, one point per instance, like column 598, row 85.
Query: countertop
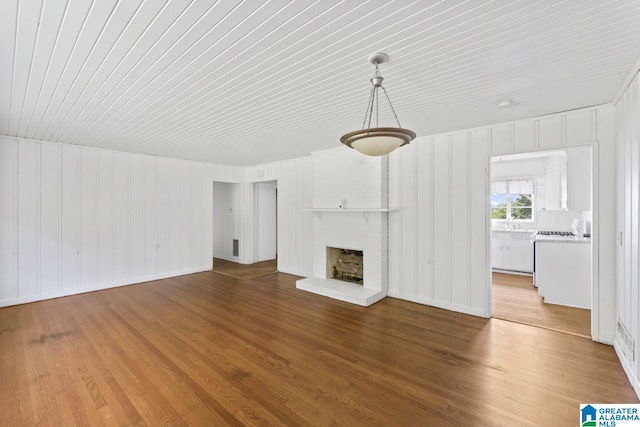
column 562, row 239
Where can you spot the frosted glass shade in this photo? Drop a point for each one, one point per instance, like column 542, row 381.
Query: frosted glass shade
column 377, row 141
column 377, row 145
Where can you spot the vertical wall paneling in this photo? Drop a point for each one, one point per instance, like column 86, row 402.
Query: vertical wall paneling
column 136, row 218
column 207, row 197
column 627, row 295
column 395, row 223
column 459, row 208
column 150, row 218
column 442, row 219
column 75, row 219
column 106, row 216
column 186, row 199
column 197, row 216
column 410, row 222
column 525, row 136
column 28, row 218
column 425, row 225
column 552, row 132
column 478, row 166
column 164, row 217
column 88, row 218
column 8, row 219
column 502, row 139
column 122, row 209
column 70, row 238
column 177, row 229
column 579, row 128
column 307, row 220
column 50, row 218
column 299, row 196
column 459, row 214
column 604, row 228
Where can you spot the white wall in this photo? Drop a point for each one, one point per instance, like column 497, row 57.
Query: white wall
column 628, row 228
column 295, row 192
column 75, row 219
column 343, row 176
column 438, row 241
column 227, row 219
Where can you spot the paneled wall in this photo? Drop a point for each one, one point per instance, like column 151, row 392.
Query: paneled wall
column 628, row 230
column 75, row 219
column 294, row 181
column 438, row 241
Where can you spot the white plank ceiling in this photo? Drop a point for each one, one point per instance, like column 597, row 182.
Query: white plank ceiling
column 249, row 82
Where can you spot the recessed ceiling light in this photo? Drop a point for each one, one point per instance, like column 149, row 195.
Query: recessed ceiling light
column 505, row 103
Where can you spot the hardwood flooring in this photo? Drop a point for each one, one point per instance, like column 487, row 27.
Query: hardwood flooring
column 515, row 299
column 210, row 350
column 244, row 271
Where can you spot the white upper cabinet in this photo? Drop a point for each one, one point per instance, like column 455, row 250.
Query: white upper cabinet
column 579, row 179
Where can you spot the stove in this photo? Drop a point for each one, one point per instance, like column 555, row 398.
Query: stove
column 555, row 233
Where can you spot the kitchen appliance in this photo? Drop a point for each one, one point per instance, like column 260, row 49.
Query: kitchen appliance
column 578, row 227
column 555, row 233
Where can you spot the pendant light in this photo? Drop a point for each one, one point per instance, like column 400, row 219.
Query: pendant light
column 377, row 141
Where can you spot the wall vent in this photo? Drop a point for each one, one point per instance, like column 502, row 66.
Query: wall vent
column 236, row 252
column 629, row 346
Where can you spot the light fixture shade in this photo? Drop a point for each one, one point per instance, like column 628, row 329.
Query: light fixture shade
column 377, row 141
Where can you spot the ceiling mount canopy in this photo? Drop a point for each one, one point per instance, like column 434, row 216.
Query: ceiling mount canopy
column 377, row 141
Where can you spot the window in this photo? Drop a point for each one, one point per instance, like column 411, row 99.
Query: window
column 512, row 199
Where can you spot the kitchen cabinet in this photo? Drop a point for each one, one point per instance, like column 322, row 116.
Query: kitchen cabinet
column 512, row 251
column 563, row 273
column 555, row 176
column 579, row 179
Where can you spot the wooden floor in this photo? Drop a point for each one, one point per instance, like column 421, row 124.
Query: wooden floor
column 244, row 271
column 515, row 299
column 209, row 350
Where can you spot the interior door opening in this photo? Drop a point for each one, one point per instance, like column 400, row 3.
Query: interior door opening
column 226, row 221
column 265, row 200
column 541, row 217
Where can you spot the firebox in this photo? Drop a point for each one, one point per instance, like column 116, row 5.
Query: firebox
column 345, row 264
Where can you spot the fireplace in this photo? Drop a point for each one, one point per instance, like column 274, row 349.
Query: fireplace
column 349, row 224
column 345, row 264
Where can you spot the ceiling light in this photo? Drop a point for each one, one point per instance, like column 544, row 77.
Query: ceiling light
column 505, row 103
column 377, row 141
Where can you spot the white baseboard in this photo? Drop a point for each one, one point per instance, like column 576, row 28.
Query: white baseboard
column 439, row 304
column 605, row 339
column 634, row 380
column 100, row 287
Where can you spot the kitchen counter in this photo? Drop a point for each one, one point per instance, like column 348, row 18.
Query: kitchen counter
column 562, row 239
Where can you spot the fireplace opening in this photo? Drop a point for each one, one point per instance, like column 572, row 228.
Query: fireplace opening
column 345, row 264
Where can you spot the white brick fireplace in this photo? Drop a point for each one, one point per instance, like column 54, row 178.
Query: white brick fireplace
column 349, row 205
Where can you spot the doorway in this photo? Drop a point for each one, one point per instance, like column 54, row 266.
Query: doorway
column 265, row 208
column 226, row 221
column 531, row 195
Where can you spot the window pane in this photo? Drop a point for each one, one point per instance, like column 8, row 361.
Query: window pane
column 518, row 200
column 521, row 213
column 499, row 213
column 498, row 200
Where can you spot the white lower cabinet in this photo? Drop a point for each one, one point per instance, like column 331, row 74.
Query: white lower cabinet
column 512, row 251
column 563, row 273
